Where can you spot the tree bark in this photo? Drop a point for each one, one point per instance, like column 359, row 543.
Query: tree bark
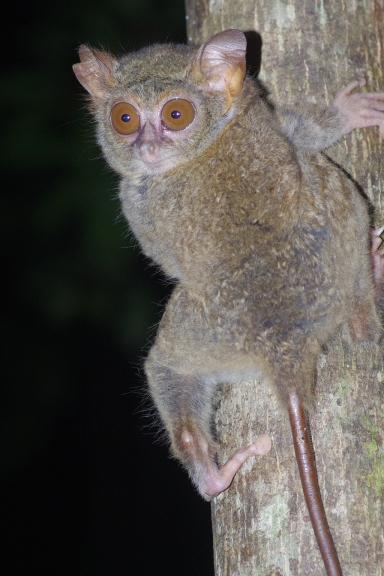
column 310, row 49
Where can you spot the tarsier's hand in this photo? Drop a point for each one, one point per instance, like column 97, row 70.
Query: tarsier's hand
column 361, row 109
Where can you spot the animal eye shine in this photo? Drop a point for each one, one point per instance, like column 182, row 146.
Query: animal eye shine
column 178, row 114
column 125, row 119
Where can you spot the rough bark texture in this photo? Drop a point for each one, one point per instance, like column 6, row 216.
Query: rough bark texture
column 310, row 49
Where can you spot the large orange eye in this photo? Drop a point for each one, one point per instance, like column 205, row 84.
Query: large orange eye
column 125, row 118
column 178, row 114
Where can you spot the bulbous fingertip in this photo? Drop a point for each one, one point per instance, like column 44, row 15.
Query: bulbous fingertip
column 263, row 444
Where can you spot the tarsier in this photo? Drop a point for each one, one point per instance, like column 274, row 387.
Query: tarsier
column 269, row 243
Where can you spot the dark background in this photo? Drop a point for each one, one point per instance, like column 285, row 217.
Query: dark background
column 85, row 487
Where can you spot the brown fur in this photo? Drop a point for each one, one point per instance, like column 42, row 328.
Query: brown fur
column 268, row 241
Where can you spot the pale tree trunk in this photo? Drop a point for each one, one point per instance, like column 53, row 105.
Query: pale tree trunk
column 310, row 49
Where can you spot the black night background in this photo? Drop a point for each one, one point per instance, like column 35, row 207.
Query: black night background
column 85, row 487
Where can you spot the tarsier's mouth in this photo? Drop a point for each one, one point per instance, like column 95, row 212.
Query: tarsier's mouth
column 156, row 162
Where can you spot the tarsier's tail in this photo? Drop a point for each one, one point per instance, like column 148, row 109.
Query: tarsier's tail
column 307, row 467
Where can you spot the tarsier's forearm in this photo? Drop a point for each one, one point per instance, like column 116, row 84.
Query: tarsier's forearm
column 314, row 128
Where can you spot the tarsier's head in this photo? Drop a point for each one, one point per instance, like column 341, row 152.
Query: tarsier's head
column 164, row 104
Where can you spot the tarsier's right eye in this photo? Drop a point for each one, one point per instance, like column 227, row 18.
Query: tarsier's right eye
column 125, row 118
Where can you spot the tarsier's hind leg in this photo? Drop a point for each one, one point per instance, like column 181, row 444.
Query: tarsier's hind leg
column 377, row 256
column 185, row 405
column 364, row 322
column 182, row 370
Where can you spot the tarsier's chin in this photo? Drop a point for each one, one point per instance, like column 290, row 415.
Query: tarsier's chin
column 269, row 241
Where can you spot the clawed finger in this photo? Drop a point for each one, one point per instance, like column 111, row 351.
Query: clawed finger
column 365, row 104
column 374, row 95
column 354, row 84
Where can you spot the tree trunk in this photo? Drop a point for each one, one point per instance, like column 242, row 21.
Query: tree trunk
column 261, row 525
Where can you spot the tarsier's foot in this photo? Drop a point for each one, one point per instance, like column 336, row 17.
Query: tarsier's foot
column 210, row 479
column 377, row 255
column 220, row 479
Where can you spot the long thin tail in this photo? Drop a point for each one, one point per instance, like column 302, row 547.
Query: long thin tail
column 308, row 474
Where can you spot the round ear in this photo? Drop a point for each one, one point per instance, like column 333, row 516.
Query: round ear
column 95, row 70
column 221, row 62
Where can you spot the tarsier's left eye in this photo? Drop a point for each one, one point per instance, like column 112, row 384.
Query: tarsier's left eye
column 178, row 114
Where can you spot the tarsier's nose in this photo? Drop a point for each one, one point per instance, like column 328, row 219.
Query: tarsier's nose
column 148, row 144
column 147, row 147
